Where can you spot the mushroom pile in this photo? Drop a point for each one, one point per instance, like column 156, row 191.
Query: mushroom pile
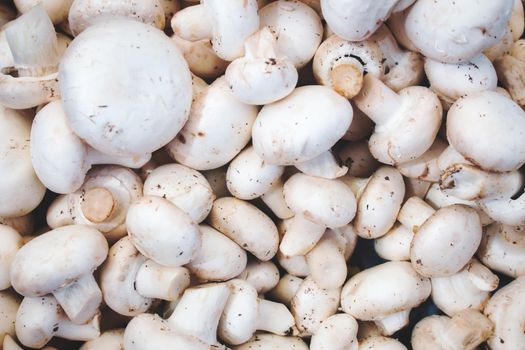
column 258, row 174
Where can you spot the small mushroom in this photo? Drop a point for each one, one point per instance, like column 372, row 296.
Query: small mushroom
column 285, row 290
column 399, row 289
column 127, row 119
column 41, row 318
column 51, row 135
column 274, row 199
column 406, row 122
column 463, row 331
column 9, row 304
column 109, row 340
column 246, row 225
column 301, row 126
column 379, row 342
column 395, row 244
column 264, row 341
column 216, row 115
column 299, row 235
column 425, row 167
column 102, row 202
column 84, row 13
column 337, row 332
column 506, row 311
column 228, row 25
column 57, row 10
column 454, row 32
column 262, row 275
column 10, row 243
column 245, row 313
column 509, row 67
column 468, row 289
column 162, row 232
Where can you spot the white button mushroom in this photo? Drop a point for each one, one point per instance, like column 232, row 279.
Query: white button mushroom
column 299, row 235
column 41, row 318
column 463, row 331
column 20, row 188
column 274, row 199
column 219, row 127
column 385, row 294
column 102, row 202
column 425, row 167
column 33, row 78
column 506, row 311
column 121, row 113
column 509, row 67
column 10, row 243
column 380, row 343
column 301, row 126
column 285, row 290
column 341, row 64
column 263, row 275
column 503, row 249
column 57, row 10
column 51, row 135
column 84, row 13
column 246, row 225
column 9, row 304
column 227, row 24
column 406, row 123
column 162, row 231
column 109, row 340
column 61, row 262
column 265, row 341
column 453, row 31
column 337, row 332
column 186, row 188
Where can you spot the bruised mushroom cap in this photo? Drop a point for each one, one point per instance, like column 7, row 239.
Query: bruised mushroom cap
column 301, row 126
column 186, row 188
column 162, row 232
column 453, row 31
column 84, row 13
column 446, row 242
column 117, row 279
column 487, row 129
column 123, row 113
column 216, row 116
column 57, row 10
column 57, row 258
column 356, row 20
column 297, row 28
column 20, row 189
column 323, row 201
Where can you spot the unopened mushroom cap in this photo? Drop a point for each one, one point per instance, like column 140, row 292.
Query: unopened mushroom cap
column 337, row 332
column 116, row 112
column 57, row 258
column 487, row 129
column 301, row 126
column 21, row 191
column 162, row 232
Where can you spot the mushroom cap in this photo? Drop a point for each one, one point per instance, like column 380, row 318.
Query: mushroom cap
column 218, row 128
column 57, row 10
column 56, row 258
column 186, row 188
column 162, row 232
column 20, row 188
column 246, row 225
column 454, row 31
column 383, row 290
column 337, row 332
column 378, row 342
column 297, row 27
column 264, row 341
column 488, row 129
column 327, row 202
column 446, row 241
column 109, row 340
column 301, row 126
column 58, row 154
column 117, row 279
column 125, row 114
column 453, row 80
column 379, row 204
column 356, row 20
column 84, row 13
column 9, row 304
column 10, row 243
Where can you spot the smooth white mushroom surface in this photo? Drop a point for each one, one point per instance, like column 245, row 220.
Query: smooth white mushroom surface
column 262, row 174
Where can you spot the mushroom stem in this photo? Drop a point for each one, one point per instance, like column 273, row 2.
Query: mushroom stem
column 482, row 277
column 160, row 282
column 274, row 318
column 347, row 79
column 96, row 157
column 33, row 43
column 324, row 165
column 84, row 332
column 377, row 100
column 414, row 213
column 80, row 299
column 394, row 322
column 98, row 204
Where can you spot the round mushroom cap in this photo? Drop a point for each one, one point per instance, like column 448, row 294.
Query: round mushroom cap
column 84, row 13
column 186, row 188
column 123, row 113
column 162, row 232
column 446, row 242
column 297, row 27
column 20, row 189
column 266, row 341
column 58, row 154
column 453, row 31
column 301, row 126
column 56, row 258
column 109, row 340
column 488, row 129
